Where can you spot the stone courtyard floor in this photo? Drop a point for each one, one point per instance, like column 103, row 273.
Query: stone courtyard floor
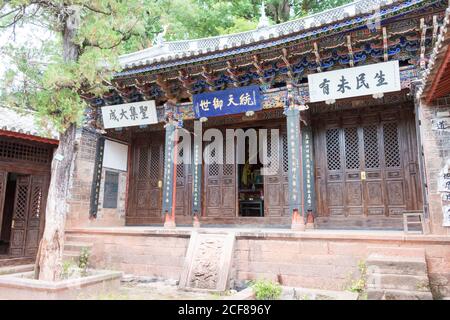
column 152, row 289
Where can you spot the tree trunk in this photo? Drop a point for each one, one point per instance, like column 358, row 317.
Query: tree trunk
column 51, row 247
column 52, row 243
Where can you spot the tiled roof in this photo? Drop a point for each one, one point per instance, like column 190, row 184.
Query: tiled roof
column 437, row 59
column 14, row 121
column 189, row 49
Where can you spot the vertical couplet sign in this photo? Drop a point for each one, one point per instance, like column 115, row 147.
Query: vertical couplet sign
column 168, row 169
column 308, row 170
column 293, row 133
column 197, row 171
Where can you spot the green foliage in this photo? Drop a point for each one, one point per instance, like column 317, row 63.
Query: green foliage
column 49, row 74
column 68, row 269
column 44, row 77
column 359, row 285
column 83, row 260
column 266, row 290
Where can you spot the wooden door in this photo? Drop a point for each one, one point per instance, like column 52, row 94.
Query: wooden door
column 3, row 180
column 36, row 212
column 184, row 185
column 369, row 165
column 20, row 216
column 276, row 185
column 148, row 175
column 220, row 186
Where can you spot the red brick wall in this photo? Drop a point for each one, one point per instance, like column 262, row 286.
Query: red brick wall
column 436, row 149
column 314, row 260
column 81, row 184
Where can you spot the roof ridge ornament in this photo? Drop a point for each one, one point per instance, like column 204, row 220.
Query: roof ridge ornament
column 159, row 39
column 263, row 20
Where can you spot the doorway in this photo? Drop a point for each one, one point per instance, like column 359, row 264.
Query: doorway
column 7, row 214
column 250, row 185
column 369, row 164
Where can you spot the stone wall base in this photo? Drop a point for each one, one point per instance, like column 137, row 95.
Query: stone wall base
column 325, row 260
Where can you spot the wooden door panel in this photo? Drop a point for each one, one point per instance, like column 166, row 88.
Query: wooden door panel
column 375, row 145
column 147, row 173
column 20, row 216
column 335, row 194
column 395, row 193
column 220, row 185
column 3, row 180
column 38, row 195
column 354, row 194
column 374, row 193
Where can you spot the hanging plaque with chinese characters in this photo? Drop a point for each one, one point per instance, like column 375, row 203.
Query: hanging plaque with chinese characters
column 231, row 101
column 129, row 114
column 353, row 82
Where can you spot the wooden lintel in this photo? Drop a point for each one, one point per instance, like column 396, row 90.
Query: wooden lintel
column 317, row 55
column 350, row 51
column 385, row 45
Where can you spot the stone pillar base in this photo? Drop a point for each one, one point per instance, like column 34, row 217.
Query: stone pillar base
column 298, row 224
column 169, row 222
column 310, row 221
column 196, row 223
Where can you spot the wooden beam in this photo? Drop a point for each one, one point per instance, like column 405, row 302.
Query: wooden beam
column 184, row 78
column 423, row 28
column 231, row 70
column 285, row 58
column 259, row 69
column 317, row 55
column 164, row 86
column 350, row 51
column 208, row 76
column 385, row 45
column 435, row 31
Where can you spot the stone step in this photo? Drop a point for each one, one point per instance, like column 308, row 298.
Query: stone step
column 16, row 269
column 71, row 255
column 397, row 252
column 396, row 265
column 15, row 261
column 398, row 282
column 79, row 238
column 390, row 294
column 77, row 246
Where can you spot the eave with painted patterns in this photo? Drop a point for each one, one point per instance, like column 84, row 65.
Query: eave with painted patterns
column 405, row 31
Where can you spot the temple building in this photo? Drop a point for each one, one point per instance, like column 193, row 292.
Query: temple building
column 359, row 98
column 26, row 152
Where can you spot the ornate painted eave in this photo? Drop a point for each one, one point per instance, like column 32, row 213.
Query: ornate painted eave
column 435, row 81
column 354, row 15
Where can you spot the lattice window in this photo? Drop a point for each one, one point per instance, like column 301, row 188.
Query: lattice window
column 21, row 202
column 213, row 167
column 155, row 163
column 351, row 148
column 284, row 141
column 36, row 200
column 227, row 169
column 19, row 151
column 371, row 149
column 391, row 145
column 143, row 163
column 333, row 149
column 180, row 164
column 273, row 160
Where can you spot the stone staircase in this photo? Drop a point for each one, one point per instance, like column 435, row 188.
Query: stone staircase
column 73, row 245
column 400, row 275
column 16, row 269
